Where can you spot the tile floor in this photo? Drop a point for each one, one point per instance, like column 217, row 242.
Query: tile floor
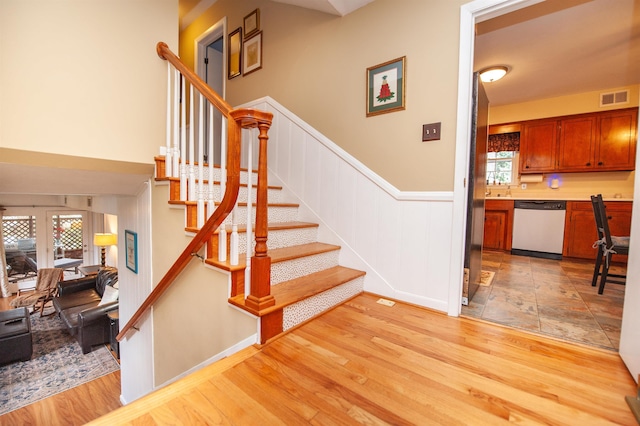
column 551, row 297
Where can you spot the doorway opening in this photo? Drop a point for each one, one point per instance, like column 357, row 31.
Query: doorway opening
column 523, row 286
column 210, row 65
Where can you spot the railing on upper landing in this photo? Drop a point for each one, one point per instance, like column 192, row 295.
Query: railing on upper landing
column 194, row 187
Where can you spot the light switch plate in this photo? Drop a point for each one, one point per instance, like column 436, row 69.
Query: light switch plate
column 431, row 132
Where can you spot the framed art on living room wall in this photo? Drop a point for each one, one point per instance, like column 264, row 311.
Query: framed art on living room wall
column 131, row 250
column 386, row 84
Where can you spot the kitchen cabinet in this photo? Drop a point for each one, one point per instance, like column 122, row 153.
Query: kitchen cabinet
column 617, row 137
column 580, row 227
column 576, row 149
column 603, row 141
column 538, row 146
column 498, row 224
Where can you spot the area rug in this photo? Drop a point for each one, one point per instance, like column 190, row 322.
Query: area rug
column 57, row 365
column 486, row 277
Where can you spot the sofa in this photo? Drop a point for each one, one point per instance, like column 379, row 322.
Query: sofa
column 83, row 304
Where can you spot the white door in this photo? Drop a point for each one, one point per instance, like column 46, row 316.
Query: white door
column 67, row 239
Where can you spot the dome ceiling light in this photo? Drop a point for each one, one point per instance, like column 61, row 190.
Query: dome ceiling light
column 491, row 74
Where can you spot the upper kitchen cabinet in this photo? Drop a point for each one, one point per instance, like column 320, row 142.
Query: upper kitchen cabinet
column 617, row 137
column 604, row 141
column 538, row 146
column 576, row 150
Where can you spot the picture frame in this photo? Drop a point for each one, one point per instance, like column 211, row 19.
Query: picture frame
column 234, row 53
column 386, row 87
column 252, row 54
column 251, row 23
column 131, row 250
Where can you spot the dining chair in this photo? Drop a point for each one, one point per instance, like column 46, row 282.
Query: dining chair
column 607, row 246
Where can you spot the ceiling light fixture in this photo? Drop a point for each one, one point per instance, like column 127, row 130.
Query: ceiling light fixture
column 491, row 74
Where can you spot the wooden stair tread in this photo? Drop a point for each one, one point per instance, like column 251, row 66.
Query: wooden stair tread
column 290, row 292
column 279, row 255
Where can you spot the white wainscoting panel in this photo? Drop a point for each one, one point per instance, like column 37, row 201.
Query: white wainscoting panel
column 401, row 239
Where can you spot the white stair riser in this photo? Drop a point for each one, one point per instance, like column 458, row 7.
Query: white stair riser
column 217, row 174
column 273, row 195
column 306, row 309
column 274, row 215
column 282, row 238
column 296, row 268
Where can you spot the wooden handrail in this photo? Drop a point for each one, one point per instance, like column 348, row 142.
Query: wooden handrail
column 236, row 121
column 165, row 53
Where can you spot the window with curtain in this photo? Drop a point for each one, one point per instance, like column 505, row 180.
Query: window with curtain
column 502, row 158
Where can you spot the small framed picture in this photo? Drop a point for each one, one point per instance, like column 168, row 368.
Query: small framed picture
column 386, row 84
column 131, row 250
column 234, row 53
column 252, row 54
column 252, row 23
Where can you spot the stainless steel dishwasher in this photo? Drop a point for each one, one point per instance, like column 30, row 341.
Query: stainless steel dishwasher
column 538, row 228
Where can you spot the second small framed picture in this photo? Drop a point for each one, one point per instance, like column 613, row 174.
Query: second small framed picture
column 252, row 23
column 252, row 54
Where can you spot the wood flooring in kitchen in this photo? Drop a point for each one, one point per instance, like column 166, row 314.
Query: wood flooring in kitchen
column 550, row 297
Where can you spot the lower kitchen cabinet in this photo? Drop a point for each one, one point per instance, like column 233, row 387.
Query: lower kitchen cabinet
column 498, row 224
column 580, row 227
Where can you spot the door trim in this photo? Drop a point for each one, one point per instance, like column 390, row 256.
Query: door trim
column 213, row 33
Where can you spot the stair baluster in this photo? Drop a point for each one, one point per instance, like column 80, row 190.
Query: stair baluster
column 176, row 124
column 183, row 140
column 201, row 186
column 169, row 148
column 191, row 184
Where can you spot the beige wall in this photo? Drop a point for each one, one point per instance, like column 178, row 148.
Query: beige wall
column 315, row 65
column 82, row 77
column 193, row 321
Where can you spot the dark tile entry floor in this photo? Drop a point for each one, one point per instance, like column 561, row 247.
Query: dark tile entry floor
column 550, row 297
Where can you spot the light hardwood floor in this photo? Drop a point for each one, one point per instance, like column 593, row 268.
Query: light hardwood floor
column 366, row 363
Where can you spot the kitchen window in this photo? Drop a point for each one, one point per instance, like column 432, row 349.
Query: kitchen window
column 502, row 167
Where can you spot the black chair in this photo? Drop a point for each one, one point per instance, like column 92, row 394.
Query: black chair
column 607, row 246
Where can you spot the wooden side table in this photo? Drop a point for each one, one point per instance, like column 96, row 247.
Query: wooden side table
column 114, row 324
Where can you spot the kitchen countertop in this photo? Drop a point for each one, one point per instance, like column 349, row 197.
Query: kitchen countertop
column 559, row 197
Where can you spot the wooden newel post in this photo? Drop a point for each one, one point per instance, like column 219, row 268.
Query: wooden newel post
column 260, row 296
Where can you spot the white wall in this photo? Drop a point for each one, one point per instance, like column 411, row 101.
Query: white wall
column 630, row 333
column 136, row 352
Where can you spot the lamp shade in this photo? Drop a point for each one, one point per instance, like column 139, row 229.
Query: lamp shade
column 102, row 240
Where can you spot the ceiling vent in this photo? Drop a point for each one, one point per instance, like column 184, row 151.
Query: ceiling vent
column 614, row 98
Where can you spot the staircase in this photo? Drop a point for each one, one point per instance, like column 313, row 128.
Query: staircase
column 305, row 275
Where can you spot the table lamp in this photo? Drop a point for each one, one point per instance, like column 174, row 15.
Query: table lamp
column 102, row 241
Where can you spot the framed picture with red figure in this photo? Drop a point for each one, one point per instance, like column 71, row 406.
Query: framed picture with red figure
column 386, row 84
